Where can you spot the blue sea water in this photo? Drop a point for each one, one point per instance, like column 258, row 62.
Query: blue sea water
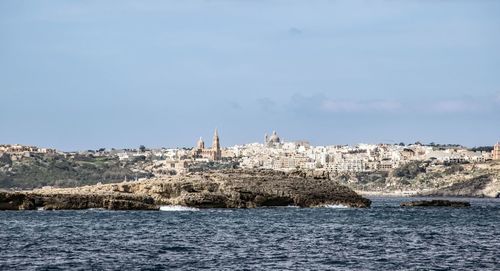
column 384, row 237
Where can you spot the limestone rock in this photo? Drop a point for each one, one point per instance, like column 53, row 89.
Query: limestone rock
column 435, row 203
column 216, row 189
column 61, row 201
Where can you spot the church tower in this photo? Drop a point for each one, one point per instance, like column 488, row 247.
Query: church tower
column 200, row 145
column 216, row 151
column 495, row 154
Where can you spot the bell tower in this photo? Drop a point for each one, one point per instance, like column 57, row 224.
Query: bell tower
column 216, row 151
column 200, row 145
column 496, row 152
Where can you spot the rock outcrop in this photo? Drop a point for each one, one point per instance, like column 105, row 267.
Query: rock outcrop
column 75, row 201
column 424, row 179
column 218, row 189
column 436, row 203
column 480, row 186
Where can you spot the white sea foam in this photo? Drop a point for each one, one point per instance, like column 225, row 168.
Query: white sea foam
column 96, row 209
column 40, row 209
column 336, row 206
column 177, row 208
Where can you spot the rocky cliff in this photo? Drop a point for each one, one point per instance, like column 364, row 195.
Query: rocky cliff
column 219, row 189
column 475, row 186
column 421, row 178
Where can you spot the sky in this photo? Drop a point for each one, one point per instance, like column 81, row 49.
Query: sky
column 87, row 74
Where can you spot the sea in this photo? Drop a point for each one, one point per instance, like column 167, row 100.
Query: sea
column 383, row 237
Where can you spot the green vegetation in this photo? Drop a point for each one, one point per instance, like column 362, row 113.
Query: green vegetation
column 482, row 148
column 453, row 168
column 57, row 170
column 205, row 166
column 375, row 178
column 410, row 170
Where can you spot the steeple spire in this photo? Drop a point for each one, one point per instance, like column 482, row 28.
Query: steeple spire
column 216, row 151
column 200, row 145
column 216, row 143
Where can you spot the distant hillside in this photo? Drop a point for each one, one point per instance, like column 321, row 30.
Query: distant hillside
column 419, row 177
column 40, row 170
column 422, row 178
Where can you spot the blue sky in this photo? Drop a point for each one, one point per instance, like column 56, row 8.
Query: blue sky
column 91, row 74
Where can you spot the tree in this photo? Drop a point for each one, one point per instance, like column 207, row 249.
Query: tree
column 410, row 170
column 482, row 148
column 142, row 148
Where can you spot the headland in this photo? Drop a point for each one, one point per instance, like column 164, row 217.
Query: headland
column 214, row 189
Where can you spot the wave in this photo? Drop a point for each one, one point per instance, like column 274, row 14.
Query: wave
column 177, row 208
column 336, row 206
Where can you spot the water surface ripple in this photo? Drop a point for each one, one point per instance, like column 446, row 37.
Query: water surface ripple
column 384, row 237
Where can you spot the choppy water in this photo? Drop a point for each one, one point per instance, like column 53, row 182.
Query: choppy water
column 384, row 237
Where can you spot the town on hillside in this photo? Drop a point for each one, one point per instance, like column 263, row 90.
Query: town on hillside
column 272, row 153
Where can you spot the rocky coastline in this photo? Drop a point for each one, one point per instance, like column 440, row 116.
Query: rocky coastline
column 214, row 189
column 436, row 203
column 459, row 180
column 76, row 201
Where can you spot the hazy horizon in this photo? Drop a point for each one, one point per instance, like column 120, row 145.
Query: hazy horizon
column 119, row 74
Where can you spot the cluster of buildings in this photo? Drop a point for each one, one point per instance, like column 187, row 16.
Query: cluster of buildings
column 175, row 160
column 214, row 153
column 18, row 151
column 276, row 154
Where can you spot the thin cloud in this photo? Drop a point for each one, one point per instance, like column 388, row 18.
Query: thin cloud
column 294, row 31
column 234, row 105
column 360, row 106
column 266, row 104
column 457, row 106
column 319, row 103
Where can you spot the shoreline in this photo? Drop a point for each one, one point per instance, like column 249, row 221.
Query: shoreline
column 414, row 194
column 403, row 194
column 218, row 189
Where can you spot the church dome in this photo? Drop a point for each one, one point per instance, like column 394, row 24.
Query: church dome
column 274, row 138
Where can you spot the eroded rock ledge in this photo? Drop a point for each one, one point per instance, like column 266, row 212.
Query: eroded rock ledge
column 436, row 203
column 219, row 189
column 74, row 201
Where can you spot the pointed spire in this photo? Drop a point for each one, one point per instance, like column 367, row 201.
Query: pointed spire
column 200, row 145
column 216, row 144
column 216, row 151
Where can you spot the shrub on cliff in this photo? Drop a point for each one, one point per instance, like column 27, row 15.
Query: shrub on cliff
column 5, row 159
column 453, row 169
column 410, row 170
